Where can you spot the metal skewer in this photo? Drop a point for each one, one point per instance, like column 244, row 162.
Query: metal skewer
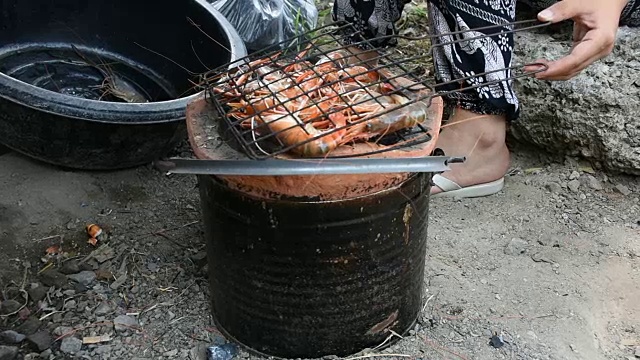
column 278, row 167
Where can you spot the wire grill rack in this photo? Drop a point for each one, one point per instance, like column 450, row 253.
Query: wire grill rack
column 313, row 93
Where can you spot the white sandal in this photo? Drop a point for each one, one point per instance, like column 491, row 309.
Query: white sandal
column 452, row 189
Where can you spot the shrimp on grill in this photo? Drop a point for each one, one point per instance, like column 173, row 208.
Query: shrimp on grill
column 313, row 108
column 290, row 130
column 390, row 117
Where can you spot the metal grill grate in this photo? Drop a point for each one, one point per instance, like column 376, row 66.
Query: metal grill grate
column 319, row 93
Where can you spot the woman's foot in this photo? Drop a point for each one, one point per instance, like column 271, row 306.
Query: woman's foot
column 482, row 140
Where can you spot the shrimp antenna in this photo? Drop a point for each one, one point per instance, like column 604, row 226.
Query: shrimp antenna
column 167, row 58
column 198, row 57
column 207, row 35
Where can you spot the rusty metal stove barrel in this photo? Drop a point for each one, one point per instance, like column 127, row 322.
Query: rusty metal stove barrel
column 302, row 278
column 308, row 266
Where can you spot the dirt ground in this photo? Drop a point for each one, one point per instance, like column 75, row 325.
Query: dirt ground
column 551, row 264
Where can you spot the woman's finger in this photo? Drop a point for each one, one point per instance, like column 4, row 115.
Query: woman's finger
column 562, row 10
column 571, row 73
column 592, row 48
column 579, row 32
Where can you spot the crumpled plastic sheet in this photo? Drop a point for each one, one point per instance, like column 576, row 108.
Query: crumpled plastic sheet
column 265, row 23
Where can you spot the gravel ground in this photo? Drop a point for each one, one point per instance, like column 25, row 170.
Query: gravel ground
column 550, row 265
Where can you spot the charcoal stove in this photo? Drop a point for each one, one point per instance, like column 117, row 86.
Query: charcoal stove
column 327, row 260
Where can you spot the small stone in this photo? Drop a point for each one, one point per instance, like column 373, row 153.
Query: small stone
column 40, row 340
column 9, row 306
column 83, row 278
column 637, row 353
column 80, row 288
column 118, row 282
column 153, row 267
column 71, row 225
column 103, row 309
column 37, row 292
column 8, row 352
column 89, row 265
column 71, row 304
column 574, row 175
column 217, row 339
column 70, row 345
column 29, row 326
column 53, row 278
column 198, row 352
column 516, row 247
column 498, row 297
column 70, row 267
column 199, row 258
column 224, row 352
column 124, row 323
column 103, row 349
column 593, row 183
column 45, row 354
column 554, row 187
column 62, row 330
column 171, row 353
column 11, row 337
column 496, row 341
column 205, row 270
column 573, row 185
column 624, row 190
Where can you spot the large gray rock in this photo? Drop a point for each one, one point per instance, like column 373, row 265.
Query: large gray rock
column 596, row 115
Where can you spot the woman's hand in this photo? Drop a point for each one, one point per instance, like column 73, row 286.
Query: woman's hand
column 594, row 34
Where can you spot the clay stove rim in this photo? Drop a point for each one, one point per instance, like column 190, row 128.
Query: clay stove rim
column 316, row 187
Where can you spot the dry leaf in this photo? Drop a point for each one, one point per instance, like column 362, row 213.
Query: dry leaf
column 586, row 168
column 629, row 342
column 532, row 170
column 95, row 339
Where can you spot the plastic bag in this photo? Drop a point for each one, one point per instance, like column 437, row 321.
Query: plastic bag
column 264, row 23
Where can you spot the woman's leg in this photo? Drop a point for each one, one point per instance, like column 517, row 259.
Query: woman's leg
column 477, row 128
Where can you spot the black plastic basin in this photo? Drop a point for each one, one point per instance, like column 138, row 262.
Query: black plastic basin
column 52, row 107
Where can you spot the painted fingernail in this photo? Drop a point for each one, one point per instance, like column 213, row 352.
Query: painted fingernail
column 545, row 15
